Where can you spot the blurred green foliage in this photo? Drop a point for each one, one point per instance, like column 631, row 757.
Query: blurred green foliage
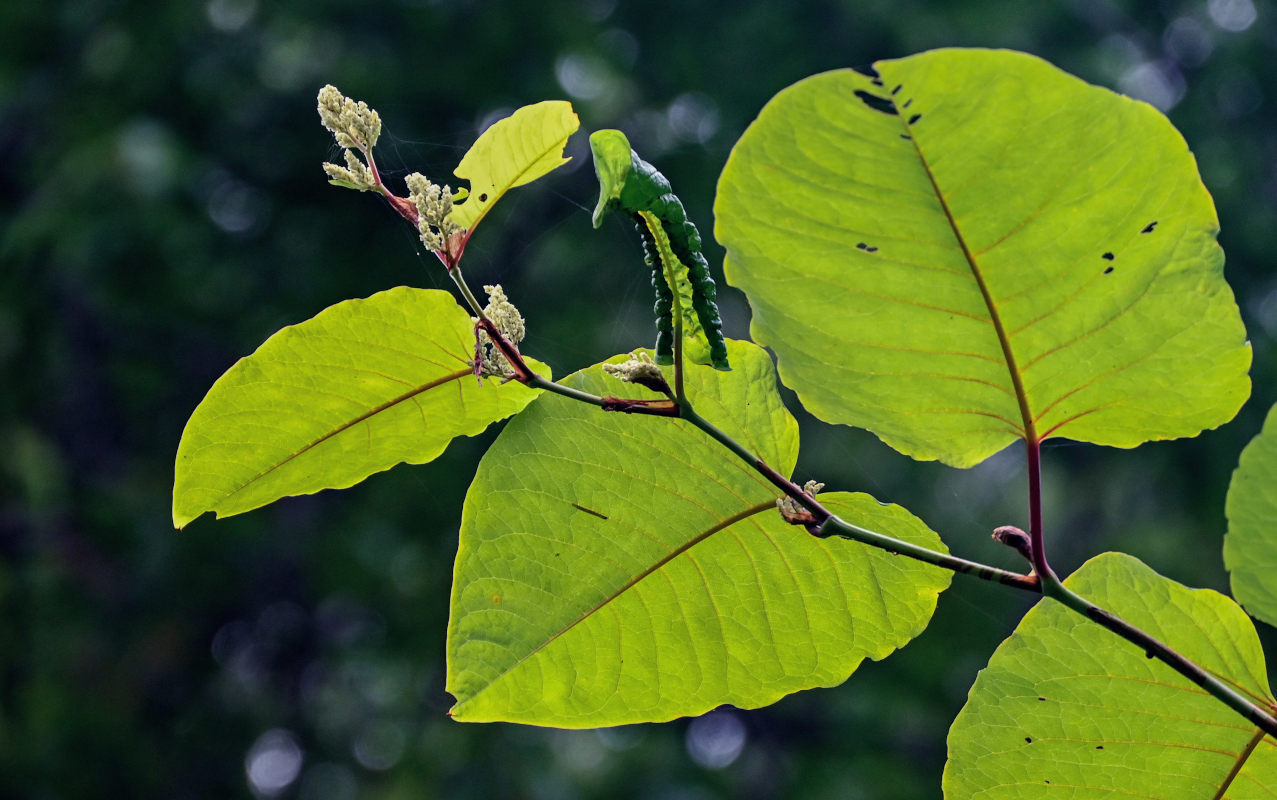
column 163, row 211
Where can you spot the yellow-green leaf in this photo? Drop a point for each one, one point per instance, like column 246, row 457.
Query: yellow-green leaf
column 616, row 568
column 1250, row 548
column 1067, row 709
column 974, row 247
column 360, row 387
column 511, row 152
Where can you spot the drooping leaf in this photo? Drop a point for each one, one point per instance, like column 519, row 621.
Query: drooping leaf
column 968, row 247
column 617, row 568
column 1067, row 709
column 671, row 248
column 511, row 152
column 362, row 386
column 1250, row 548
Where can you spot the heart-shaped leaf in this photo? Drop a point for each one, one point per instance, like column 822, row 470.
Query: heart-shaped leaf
column 967, row 247
column 511, row 152
column 1067, row 709
column 1250, row 548
column 362, row 386
column 617, row 568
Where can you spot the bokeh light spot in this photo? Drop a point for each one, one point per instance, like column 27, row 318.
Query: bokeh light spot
column 715, row 740
column 273, row 763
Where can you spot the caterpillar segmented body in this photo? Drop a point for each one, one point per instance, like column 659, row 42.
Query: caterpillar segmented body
column 671, row 247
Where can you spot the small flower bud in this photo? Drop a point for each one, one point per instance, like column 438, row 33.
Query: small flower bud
column 794, row 512
column 642, row 370
column 352, row 123
column 434, row 204
column 509, row 322
column 355, row 126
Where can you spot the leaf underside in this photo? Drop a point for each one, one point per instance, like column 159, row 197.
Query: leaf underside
column 616, row 569
column 511, row 152
column 362, row 386
column 1067, row 709
column 1250, row 548
column 975, row 247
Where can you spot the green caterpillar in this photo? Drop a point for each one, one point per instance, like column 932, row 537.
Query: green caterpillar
column 671, row 247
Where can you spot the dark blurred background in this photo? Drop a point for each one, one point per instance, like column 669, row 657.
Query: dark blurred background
column 162, row 211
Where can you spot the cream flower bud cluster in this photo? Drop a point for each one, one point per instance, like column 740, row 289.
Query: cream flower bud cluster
column 509, row 321
column 352, row 123
column 791, row 506
column 355, row 126
column 434, row 204
column 640, row 368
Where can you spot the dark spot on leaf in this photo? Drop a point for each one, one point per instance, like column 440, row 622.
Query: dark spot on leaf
column 483, row 198
column 1107, row 270
column 1047, row 782
column 914, row 118
column 1107, row 256
column 906, row 136
column 589, row 511
column 1149, row 227
column 867, row 69
column 898, row 86
column 877, row 103
column 908, row 103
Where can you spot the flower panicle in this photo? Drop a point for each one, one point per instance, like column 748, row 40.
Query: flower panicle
column 434, row 203
column 355, row 126
column 509, row 322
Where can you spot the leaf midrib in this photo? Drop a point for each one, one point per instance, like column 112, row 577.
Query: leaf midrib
column 1028, row 429
column 514, row 181
column 408, row 395
column 638, row 578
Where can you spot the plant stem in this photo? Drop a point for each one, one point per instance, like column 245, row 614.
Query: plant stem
column 464, row 288
column 1037, row 547
column 824, row 523
column 1054, row 588
column 1265, row 718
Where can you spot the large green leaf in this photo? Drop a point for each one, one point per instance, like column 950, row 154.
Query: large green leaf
column 1250, row 548
column 975, row 247
column 355, row 390
column 511, row 152
column 1067, row 709
column 617, row 568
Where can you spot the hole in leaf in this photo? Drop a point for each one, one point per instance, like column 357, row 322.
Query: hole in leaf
column 1107, row 270
column 1107, row 256
column 898, row 87
column 867, row 69
column 877, row 103
column 1042, row 699
column 1028, row 740
column 914, row 118
column 1099, row 747
column 906, row 136
column 908, row 103
column 877, row 82
column 866, row 248
column 1149, row 227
